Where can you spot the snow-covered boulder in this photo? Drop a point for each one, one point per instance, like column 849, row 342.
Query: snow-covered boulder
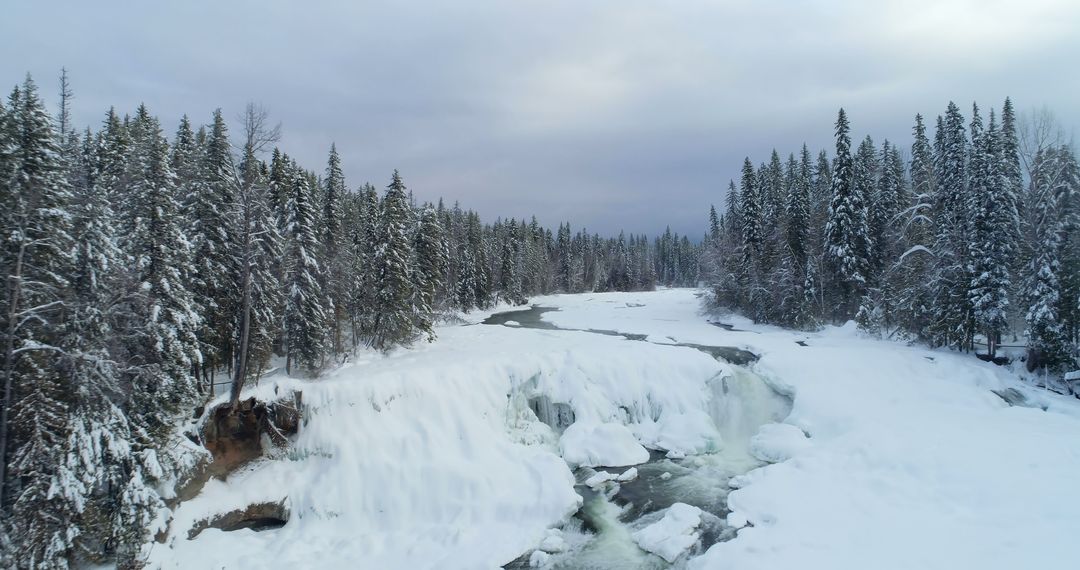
column 778, row 442
column 539, row 559
column 669, row 537
column 554, row 542
column 598, row 479
column 589, row 444
column 628, row 475
column 691, row 432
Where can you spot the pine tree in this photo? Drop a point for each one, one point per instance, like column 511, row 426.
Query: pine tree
column 1046, row 336
column 333, row 243
column 846, row 231
column 995, row 222
column 363, row 292
column 214, row 240
column 913, row 266
column 305, row 307
column 34, row 260
column 432, row 262
column 751, row 213
column 509, row 278
column 799, row 312
column 394, row 322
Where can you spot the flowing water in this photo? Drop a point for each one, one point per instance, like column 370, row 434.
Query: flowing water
column 599, row 537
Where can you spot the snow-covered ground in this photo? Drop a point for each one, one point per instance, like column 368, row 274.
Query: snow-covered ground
column 433, row 457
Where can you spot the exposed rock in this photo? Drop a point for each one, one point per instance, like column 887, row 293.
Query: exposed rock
column 235, row 437
column 260, row 516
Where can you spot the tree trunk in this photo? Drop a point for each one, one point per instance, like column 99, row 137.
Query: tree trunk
column 9, row 366
column 240, row 371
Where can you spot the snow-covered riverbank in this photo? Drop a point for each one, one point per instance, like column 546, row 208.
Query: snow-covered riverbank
column 434, row 457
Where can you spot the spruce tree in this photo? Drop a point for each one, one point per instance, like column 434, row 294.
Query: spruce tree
column 305, row 306
column 951, row 312
column 846, row 231
column 35, row 257
column 394, row 290
column 750, row 203
column 214, row 239
column 363, row 292
column 994, row 224
column 1047, row 348
column 333, row 242
column 432, row 262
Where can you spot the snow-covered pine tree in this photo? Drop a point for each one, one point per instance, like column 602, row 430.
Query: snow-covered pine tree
column 1047, row 345
column 820, row 198
column 750, row 204
column 994, row 222
column 564, row 256
column 951, row 306
column 912, row 268
column 213, row 234
column 509, row 278
column 431, row 265
column 98, row 447
column 332, row 233
column 481, row 256
column 306, row 311
column 799, row 313
column 363, row 287
column 714, row 224
column 113, row 155
column 1069, row 206
column 166, row 343
column 185, row 161
column 845, row 230
column 34, row 259
column 392, row 263
column 1012, row 189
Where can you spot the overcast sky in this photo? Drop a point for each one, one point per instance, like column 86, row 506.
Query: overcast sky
column 618, row 114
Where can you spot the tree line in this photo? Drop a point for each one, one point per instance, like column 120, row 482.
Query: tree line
column 139, row 269
column 972, row 237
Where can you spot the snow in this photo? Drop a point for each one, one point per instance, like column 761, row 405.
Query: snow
column 430, row 457
column 539, row 559
column 669, row 537
column 778, row 442
column 628, row 475
column 890, row 456
column 609, row 444
column 553, row 542
column 596, row 480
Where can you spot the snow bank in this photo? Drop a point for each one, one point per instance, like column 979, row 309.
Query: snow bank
column 778, row 442
column 669, row 537
column 587, row 444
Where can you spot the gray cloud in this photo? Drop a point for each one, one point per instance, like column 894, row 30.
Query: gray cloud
column 630, row 114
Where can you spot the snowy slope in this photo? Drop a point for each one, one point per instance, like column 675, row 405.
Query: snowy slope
column 432, row 458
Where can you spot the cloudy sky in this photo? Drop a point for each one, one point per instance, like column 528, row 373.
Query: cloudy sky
column 617, row 114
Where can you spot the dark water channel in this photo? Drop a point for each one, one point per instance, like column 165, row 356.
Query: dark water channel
column 532, row 318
